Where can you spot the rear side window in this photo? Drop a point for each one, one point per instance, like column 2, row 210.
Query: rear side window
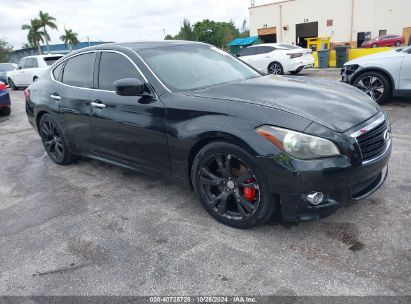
column 34, row 63
column 57, row 71
column 246, row 52
column 52, row 59
column 113, row 67
column 78, row 71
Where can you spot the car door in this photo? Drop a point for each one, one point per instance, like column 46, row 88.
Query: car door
column 264, row 56
column 130, row 128
column 71, row 89
column 20, row 75
column 405, row 73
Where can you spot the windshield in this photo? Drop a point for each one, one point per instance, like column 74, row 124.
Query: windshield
column 6, row 67
column 195, row 66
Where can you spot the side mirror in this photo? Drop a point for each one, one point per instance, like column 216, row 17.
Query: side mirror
column 131, row 87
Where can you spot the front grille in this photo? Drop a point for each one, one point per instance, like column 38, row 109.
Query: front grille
column 372, row 143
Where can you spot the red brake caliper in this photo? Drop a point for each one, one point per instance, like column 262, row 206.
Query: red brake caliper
column 249, row 193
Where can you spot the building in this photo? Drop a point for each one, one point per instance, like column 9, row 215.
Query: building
column 16, row 55
column 346, row 21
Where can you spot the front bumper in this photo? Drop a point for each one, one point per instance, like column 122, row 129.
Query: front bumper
column 340, row 182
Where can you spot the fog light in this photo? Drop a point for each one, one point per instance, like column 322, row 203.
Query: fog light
column 315, row 198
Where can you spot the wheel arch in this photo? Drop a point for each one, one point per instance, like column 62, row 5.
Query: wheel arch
column 378, row 70
column 213, row 137
column 39, row 116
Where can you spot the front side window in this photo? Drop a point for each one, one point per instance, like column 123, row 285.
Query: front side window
column 113, row 67
column 24, row 63
column 78, row 71
column 195, row 66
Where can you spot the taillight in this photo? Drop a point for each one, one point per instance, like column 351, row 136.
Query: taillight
column 294, row 55
column 27, row 94
column 3, row 87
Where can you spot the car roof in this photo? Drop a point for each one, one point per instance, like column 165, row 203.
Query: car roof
column 43, row 56
column 136, row 46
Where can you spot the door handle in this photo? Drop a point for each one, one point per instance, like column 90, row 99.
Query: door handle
column 98, row 104
column 55, row 97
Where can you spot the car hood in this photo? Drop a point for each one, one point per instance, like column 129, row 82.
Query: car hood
column 378, row 56
column 335, row 105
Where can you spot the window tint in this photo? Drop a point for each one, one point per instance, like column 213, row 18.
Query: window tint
column 264, row 49
column 246, row 52
column 78, row 71
column 51, row 60
column 113, row 67
column 34, row 63
column 57, row 72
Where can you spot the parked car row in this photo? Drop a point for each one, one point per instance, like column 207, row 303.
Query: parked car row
column 250, row 145
column 29, row 70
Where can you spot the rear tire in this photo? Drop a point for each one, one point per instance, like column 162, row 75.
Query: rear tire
column 12, row 85
column 54, row 142
column 5, row 111
column 398, row 43
column 275, row 68
column 374, row 84
column 231, row 186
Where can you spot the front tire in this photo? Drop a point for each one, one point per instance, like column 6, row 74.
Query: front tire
column 5, row 111
column 53, row 141
column 398, row 44
column 275, row 68
column 231, row 187
column 12, row 85
column 374, row 84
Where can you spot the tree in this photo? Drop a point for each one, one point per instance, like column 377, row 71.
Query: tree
column 47, row 21
column 35, row 35
column 215, row 33
column 186, row 31
column 69, row 38
column 244, row 31
column 5, row 49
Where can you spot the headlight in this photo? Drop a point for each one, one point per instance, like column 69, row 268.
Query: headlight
column 299, row 145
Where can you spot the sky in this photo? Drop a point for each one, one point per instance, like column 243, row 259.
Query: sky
column 116, row 20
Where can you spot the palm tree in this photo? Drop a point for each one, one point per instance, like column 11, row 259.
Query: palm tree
column 47, row 21
column 35, row 35
column 69, row 38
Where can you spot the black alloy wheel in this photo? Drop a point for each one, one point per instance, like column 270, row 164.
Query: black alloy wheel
column 225, row 178
column 375, row 85
column 275, row 68
column 53, row 141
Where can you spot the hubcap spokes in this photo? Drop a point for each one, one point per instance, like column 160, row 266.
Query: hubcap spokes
column 225, row 179
column 372, row 86
column 52, row 140
column 275, row 69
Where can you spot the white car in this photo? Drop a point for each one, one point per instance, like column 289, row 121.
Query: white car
column 29, row 69
column 277, row 58
column 381, row 75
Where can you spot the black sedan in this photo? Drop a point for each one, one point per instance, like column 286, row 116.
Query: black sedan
column 249, row 145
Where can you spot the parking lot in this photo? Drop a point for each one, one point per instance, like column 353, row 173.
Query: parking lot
column 95, row 229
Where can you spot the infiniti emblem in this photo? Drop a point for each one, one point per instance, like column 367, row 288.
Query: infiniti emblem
column 387, row 135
